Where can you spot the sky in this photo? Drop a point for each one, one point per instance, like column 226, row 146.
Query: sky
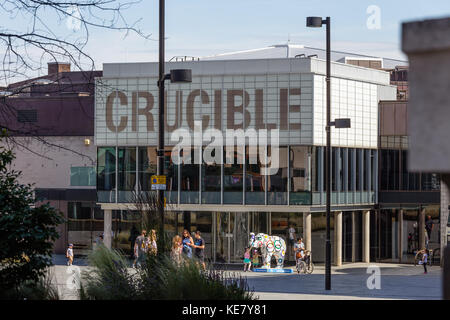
column 207, row 27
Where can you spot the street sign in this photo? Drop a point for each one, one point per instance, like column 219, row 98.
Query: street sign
column 158, row 182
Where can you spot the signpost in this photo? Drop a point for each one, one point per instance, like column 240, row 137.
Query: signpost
column 158, row 182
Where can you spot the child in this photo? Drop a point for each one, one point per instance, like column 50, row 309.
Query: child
column 247, row 261
column 255, row 258
column 69, row 255
column 177, row 248
column 424, row 260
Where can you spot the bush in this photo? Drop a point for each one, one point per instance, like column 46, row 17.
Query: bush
column 41, row 289
column 27, row 233
column 159, row 279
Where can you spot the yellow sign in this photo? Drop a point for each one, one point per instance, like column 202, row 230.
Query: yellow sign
column 164, row 202
column 158, row 182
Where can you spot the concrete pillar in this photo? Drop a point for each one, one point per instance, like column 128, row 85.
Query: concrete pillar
column 107, row 227
column 353, row 236
column 338, row 238
column 400, row 235
column 421, row 227
column 307, row 230
column 366, row 236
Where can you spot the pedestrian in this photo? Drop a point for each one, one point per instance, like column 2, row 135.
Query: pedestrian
column 247, row 261
column 424, row 260
column 134, row 233
column 188, row 242
column 69, row 255
column 152, row 247
column 255, row 258
column 291, row 232
column 177, row 249
column 139, row 249
column 199, row 248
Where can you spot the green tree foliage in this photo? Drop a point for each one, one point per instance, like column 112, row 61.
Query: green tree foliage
column 27, row 232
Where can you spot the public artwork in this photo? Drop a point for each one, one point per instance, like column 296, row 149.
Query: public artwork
column 270, row 246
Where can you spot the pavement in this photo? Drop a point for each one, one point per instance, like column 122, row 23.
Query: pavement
column 348, row 282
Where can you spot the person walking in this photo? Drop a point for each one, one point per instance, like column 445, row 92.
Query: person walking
column 134, row 233
column 139, row 249
column 199, row 249
column 247, row 261
column 177, row 249
column 188, row 242
column 152, row 247
column 69, row 255
column 424, row 260
column 291, row 232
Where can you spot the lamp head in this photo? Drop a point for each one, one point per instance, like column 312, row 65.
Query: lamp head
column 314, row 22
column 180, row 75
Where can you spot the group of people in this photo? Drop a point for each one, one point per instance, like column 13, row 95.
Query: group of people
column 144, row 245
column 251, row 258
column 188, row 247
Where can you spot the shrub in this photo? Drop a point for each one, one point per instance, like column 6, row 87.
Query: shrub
column 159, row 279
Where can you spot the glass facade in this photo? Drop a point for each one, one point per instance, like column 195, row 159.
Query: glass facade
column 394, row 174
column 300, row 179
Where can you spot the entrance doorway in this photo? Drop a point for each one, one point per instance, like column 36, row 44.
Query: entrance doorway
column 232, row 231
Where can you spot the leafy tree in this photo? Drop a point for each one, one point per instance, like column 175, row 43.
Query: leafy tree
column 27, row 232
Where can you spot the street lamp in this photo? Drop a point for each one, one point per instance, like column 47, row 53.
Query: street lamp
column 175, row 76
column 317, row 22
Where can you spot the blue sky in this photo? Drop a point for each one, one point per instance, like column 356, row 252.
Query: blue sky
column 201, row 27
column 206, row 27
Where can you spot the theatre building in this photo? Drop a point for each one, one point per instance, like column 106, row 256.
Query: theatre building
column 226, row 200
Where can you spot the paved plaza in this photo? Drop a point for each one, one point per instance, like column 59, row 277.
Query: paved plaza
column 397, row 281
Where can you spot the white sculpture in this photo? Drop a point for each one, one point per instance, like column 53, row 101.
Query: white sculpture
column 270, row 246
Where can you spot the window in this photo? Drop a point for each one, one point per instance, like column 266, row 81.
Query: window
column 277, row 183
column 106, row 168
column 233, row 174
column 211, row 181
column 147, row 163
column 127, row 169
column 82, row 176
column 190, row 176
column 27, row 116
column 254, row 181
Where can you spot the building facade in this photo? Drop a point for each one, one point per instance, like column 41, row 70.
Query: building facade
column 50, row 123
column 228, row 199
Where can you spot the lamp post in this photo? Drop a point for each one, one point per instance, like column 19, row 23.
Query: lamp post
column 176, row 76
column 317, row 22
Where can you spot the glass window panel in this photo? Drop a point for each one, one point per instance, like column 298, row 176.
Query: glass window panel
column 255, row 181
column 147, row 165
column 127, row 169
column 233, row 175
column 106, row 168
column 300, row 190
column 211, row 181
column 277, row 183
column 190, row 176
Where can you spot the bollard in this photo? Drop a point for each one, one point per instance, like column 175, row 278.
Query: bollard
column 446, row 275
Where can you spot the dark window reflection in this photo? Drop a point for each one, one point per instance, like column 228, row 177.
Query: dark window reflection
column 233, row 175
column 211, row 181
column 147, row 165
column 106, row 168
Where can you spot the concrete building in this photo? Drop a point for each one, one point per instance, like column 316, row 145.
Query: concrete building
column 227, row 202
column 51, row 126
column 427, row 44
